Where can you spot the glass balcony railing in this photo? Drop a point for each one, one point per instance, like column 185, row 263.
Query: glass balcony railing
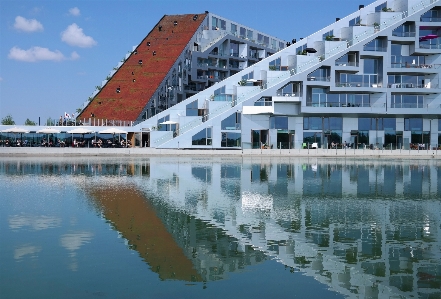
column 430, row 46
column 337, row 104
column 346, row 63
column 375, row 48
column 403, row 34
column 430, row 19
column 314, row 78
column 407, row 105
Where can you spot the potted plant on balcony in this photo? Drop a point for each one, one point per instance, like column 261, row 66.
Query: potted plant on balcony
column 242, row 82
column 376, row 26
column 329, row 38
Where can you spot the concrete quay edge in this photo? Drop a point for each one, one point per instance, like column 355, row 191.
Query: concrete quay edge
column 72, row 152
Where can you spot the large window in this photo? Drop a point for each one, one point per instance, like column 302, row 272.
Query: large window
column 407, row 101
column 381, row 7
column 160, row 126
column 328, row 35
column 279, row 122
column 323, row 123
column 232, row 122
column 378, row 45
column 202, row 138
column 231, row 139
column 366, row 124
column 413, row 124
column 355, row 21
column 319, row 98
column 192, row 108
column 275, row 64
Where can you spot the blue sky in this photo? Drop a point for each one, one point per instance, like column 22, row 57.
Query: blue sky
column 54, row 53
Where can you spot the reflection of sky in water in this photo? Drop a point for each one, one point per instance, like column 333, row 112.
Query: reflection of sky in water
column 33, row 222
column 26, row 250
column 364, row 229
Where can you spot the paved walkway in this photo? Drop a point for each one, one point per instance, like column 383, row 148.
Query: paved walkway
column 69, row 151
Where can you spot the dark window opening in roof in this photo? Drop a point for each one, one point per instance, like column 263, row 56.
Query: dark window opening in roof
column 154, row 53
column 195, row 17
column 160, row 28
column 136, row 52
column 175, row 23
column 133, row 73
column 133, row 80
column 140, row 61
column 148, row 44
column 118, row 90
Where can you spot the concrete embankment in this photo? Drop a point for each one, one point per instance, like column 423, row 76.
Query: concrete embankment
column 68, row 151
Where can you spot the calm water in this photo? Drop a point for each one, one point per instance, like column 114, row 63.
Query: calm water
column 213, row 228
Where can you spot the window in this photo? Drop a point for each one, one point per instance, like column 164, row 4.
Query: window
column 328, row 35
column 250, row 34
column 275, row 64
column 202, row 138
column 248, row 76
column 378, row 45
column 231, row 139
column 233, row 29
column 413, row 124
column 214, row 23
column 160, row 126
column 366, row 124
column 259, row 38
column 232, row 122
column 439, row 125
column 407, row 101
column 192, row 108
column 381, row 7
column 389, row 124
column 312, row 123
column 355, row 21
column 242, row 32
column 301, row 50
column 223, row 24
column 371, row 66
column 279, row 122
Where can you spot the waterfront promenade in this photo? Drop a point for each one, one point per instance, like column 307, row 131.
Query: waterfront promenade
column 69, row 151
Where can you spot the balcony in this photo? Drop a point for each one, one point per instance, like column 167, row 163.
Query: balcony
column 322, row 79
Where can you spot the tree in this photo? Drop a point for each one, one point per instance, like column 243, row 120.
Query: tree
column 78, row 110
column 29, row 122
column 7, row 120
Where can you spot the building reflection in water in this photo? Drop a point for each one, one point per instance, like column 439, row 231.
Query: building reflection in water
column 367, row 229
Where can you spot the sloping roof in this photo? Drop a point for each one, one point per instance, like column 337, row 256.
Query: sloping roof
column 138, row 82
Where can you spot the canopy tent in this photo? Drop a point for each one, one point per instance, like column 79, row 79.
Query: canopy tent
column 48, row 131
column 16, row 130
column 80, row 131
column 112, row 131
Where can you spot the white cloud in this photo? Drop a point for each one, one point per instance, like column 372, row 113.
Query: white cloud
column 74, row 11
column 30, row 25
column 74, row 56
column 35, row 54
column 74, row 36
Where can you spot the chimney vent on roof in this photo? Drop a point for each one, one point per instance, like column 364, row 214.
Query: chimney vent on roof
column 337, row 19
column 160, row 28
column 206, row 11
column 195, row 17
column 360, row 6
column 294, row 40
column 175, row 23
